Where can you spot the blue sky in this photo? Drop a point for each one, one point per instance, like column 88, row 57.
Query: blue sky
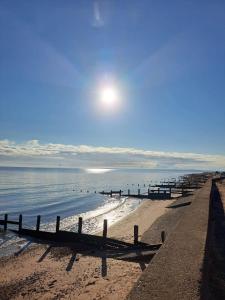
column 166, row 59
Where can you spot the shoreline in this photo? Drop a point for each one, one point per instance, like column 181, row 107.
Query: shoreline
column 114, row 215
column 89, row 277
column 144, row 216
column 117, row 219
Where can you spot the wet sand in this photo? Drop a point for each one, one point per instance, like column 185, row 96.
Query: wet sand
column 61, row 274
column 146, row 214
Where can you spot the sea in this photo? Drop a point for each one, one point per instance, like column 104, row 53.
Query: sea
column 70, row 193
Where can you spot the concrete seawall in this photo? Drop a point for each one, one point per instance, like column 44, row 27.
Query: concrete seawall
column 176, row 271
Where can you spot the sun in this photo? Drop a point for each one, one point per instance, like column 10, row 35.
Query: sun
column 109, row 97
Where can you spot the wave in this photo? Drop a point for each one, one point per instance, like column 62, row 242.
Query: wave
column 70, row 223
column 92, row 223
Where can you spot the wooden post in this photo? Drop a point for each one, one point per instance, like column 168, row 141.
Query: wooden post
column 80, row 220
column 20, row 222
column 105, row 229
column 163, row 236
column 120, row 193
column 38, row 223
column 139, row 191
column 111, row 193
column 135, row 234
column 170, row 191
column 5, row 222
column 128, row 192
column 57, row 223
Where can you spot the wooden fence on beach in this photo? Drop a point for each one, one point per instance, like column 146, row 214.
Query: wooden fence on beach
column 163, row 191
column 79, row 238
column 159, row 191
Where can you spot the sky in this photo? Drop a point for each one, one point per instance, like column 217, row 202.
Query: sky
column 160, row 64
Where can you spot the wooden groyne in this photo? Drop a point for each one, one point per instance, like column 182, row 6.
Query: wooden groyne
column 165, row 189
column 149, row 195
column 182, row 186
column 5, row 222
column 162, row 192
column 111, row 193
column 82, row 241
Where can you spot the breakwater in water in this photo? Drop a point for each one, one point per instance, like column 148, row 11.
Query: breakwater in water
column 71, row 193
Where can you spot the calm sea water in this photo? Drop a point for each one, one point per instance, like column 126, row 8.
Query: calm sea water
column 70, row 193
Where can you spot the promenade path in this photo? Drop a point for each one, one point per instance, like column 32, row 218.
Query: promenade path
column 176, row 270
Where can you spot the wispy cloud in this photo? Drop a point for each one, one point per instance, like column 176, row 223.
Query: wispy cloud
column 97, row 15
column 34, row 153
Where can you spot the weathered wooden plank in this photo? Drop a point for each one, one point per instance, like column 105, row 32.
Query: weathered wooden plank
column 38, row 223
column 20, row 222
column 135, row 234
column 80, row 221
column 12, row 222
column 57, row 224
column 105, row 229
column 5, row 222
column 84, row 239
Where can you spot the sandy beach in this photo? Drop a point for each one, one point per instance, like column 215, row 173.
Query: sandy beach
column 57, row 273
column 144, row 217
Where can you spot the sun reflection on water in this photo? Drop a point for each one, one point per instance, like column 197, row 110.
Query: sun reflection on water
column 97, row 171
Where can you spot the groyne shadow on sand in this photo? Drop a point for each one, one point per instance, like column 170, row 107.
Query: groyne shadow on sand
column 212, row 285
column 179, row 205
column 136, row 256
column 58, row 250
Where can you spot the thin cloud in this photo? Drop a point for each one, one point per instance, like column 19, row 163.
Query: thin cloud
column 33, row 153
column 97, row 15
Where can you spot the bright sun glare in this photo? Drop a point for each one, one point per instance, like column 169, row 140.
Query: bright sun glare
column 109, row 97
